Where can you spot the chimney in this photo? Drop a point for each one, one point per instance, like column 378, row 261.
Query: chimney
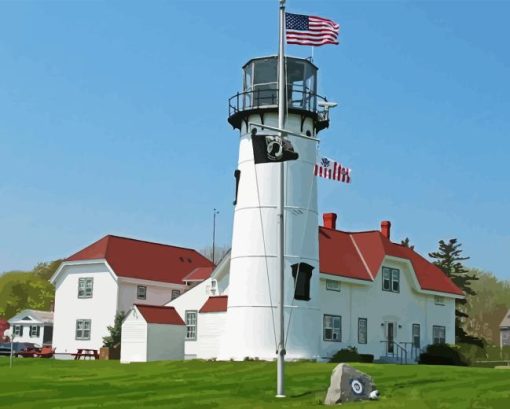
column 386, row 228
column 329, row 220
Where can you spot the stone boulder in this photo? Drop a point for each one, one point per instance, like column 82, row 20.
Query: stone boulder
column 348, row 384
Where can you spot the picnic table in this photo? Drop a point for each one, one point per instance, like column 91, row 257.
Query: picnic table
column 84, row 353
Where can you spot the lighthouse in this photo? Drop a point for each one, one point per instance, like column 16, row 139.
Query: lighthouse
column 252, row 320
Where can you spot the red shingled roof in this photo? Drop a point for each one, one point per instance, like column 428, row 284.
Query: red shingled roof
column 199, row 274
column 215, row 304
column 144, row 260
column 154, row 314
column 360, row 255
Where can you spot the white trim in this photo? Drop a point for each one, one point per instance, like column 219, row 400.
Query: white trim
column 361, row 256
column 57, row 273
column 326, row 276
column 141, row 281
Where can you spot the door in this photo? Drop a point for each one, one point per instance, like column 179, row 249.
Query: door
column 390, row 337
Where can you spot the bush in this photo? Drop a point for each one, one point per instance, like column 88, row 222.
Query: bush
column 350, row 354
column 443, row 354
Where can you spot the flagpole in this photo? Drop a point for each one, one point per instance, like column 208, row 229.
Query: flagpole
column 280, row 385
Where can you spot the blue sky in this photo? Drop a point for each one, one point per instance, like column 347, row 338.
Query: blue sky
column 113, row 120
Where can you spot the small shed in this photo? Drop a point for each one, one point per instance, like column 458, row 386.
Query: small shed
column 152, row 333
column 504, row 331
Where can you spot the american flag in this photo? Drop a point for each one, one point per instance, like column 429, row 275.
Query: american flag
column 331, row 169
column 310, row 30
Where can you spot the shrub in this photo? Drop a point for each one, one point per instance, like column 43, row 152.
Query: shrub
column 350, row 354
column 443, row 354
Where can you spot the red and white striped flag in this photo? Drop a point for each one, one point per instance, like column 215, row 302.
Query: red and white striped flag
column 331, row 169
column 310, row 30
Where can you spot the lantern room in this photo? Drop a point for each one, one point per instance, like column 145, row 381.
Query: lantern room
column 260, row 90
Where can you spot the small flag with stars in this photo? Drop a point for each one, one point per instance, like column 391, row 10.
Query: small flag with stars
column 310, row 30
column 331, row 169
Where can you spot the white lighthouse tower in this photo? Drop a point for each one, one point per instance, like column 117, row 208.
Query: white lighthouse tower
column 252, row 316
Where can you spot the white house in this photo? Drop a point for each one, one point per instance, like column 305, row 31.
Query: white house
column 146, row 331
column 109, row 276
column 379, row 296
column 33, row 326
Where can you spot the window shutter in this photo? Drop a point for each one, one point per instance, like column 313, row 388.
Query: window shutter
column 21, row 330
column 38, row 330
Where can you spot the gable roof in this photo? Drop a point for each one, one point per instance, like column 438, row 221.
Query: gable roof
column 360, row 255
column 506, row 320
column 216, row 303
column 155, row 314
column 199, row 274
column 40, row 316
column 143, row 259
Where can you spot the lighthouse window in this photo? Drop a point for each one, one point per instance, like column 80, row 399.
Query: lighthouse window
column 332, row 328
column 302, row 273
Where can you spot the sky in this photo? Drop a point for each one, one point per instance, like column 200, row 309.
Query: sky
column 113, row 120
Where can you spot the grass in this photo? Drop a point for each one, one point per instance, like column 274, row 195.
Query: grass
column 39, row 383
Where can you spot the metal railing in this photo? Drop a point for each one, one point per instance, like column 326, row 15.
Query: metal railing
column 268, row 97
column 396, row 351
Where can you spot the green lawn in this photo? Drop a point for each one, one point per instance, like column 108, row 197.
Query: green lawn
column 39, row 383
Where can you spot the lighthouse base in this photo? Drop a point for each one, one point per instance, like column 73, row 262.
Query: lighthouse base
column 252, row 333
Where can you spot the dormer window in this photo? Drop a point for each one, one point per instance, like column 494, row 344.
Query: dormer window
column 390, row 279
column 85, row 287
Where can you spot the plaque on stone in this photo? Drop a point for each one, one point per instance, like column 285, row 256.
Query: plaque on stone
column 348, row 384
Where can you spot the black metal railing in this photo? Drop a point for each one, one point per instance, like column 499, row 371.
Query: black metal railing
column 268, row 97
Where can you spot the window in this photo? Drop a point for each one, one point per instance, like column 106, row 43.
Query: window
column 302, row 273
column 18, row 330
column 438, row 300
column 332, row 328
column 438, row 334
column 83, row 329
column 416, row 335
column 362, row 330
column 34, row 331
column 191, row 325
column 85, row 286
column 391, row 279
column 332, row 285
column 141, row 292
column 175, row 294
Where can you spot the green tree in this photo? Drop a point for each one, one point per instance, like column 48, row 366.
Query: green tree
column 407, row 243
column 27, row 289
column 487, row 308
column 449, row 259
column 113, row 340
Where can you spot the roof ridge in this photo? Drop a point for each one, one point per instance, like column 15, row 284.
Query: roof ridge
column 350, row 232
column 154, row 306
column 149, row 242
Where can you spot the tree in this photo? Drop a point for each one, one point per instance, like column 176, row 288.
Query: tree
column 449, row 259
column 113, row 340
column 219, row 252
column 407, row 243
column 488, row 307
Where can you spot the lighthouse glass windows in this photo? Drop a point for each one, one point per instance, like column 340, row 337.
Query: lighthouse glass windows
column 332, row 328
column 390, row 279
column 261, row 83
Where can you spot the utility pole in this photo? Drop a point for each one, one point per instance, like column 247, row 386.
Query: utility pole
column 215, row 212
